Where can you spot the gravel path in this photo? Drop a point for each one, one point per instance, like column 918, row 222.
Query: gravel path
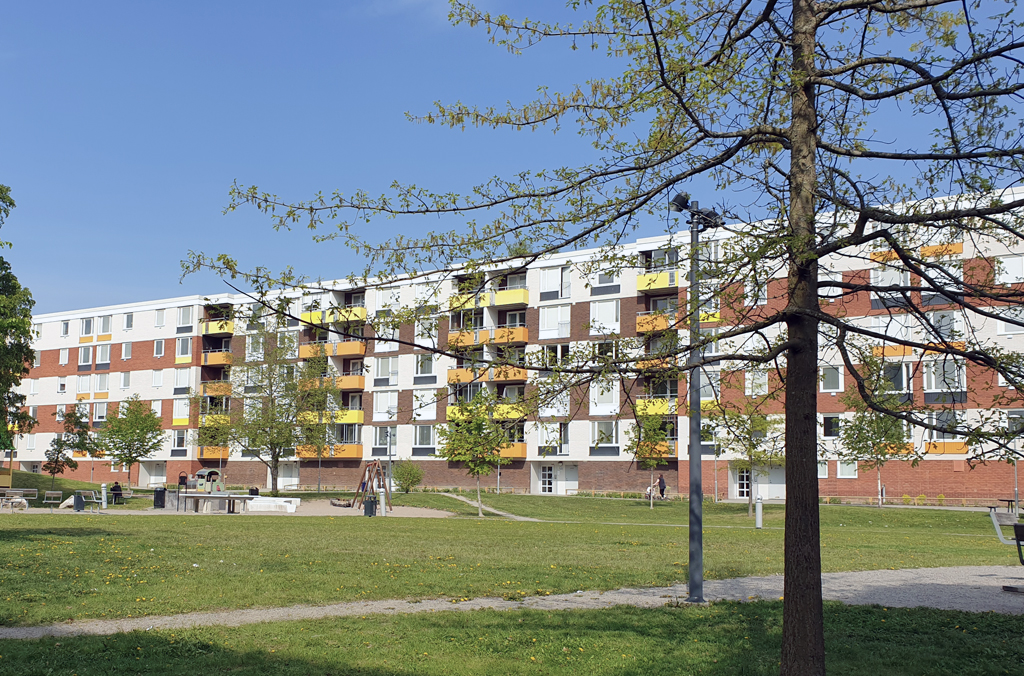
column 974, row 588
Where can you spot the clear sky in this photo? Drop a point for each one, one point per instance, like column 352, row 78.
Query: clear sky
column 125, row 123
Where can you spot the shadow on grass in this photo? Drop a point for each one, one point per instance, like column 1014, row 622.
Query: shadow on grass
column 11, row 532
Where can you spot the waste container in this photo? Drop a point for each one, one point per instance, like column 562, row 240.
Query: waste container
column 254, row 491
column 370, row 507
column 79, row 503
column 160, row 498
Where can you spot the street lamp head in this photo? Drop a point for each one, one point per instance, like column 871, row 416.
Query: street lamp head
column 681, row 202
column 708, row 218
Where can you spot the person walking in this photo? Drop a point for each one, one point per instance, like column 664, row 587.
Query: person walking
column 661, row 485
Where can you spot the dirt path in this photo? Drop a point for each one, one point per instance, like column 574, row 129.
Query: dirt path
column 974, row 588
column 507, row 515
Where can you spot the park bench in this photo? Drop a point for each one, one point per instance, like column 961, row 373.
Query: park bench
column 999, row 520
column 52, row 498
column 90, row 498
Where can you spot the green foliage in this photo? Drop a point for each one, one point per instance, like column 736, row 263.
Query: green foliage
column 407, row 475
column 131, row 433
column 16, row 352
column 873, row 436
column 76, row 438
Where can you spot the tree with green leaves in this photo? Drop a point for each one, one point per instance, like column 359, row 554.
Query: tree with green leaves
column 756, row 437
column 473, row 438
column 16, row 354
column 407, row 475
column 283, row 405
column 796, row 114
column 872, row 437
column 77, row 437
column 647, row 440
column 131, row 433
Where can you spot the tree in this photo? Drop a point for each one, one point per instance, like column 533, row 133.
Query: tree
column 648, row 442
column 131, row 433
column 743, row 428
column 873, row 437
column 16, row 354
column 798, row 110
column 475, row 439
column 408, row 476
column 76, row 438
column 284, row 406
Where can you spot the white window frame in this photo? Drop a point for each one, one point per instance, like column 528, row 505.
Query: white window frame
column 846, row 469
column 556, row 279
column 126, row 379
column 158, row 348
column 104, row 324
column 604, row 317
column 1010, row 270
column 604, row 397
column 387, row 367
column 86, row 326
column 85, row 355
column 385, row 405
column 63, row 356
column 597, row 437
column 157, row 406
column 158, row 378
column 935, row 379
column 182, row 347
column 102, row 382
column 181, row 377
column 185, row 315
column 65, row 328
column 418, row 441
column 103, row 354
column 159, row 320
column 823, row 469
column 180, row 409
column 755, row 382
column 62, row 384
column 838, row 370
column 99, row 411
column 128, row 321
column 555, row 321
column 126, row 351
column 83, row 385
column 425, row 364
column 824, row 427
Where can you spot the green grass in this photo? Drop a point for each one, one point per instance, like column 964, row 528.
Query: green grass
column 725, row 639
column 75, row 566
column 42, row 483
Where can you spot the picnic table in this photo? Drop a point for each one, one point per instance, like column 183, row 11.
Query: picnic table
column 230, row 498
column 1010, row 503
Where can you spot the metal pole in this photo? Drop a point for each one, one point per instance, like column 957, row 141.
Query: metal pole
column 696, row 581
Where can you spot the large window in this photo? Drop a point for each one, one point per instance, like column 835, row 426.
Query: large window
column 948, row 421
column 104, row 324
column 423, row 435
column 84, row 356
column 86, row 327
column 425, row 364
column 554, row 438
column 1010, row 270
column 943, row 375
column 102, row 354
column 185, row 316
column 386, row 371
column 385, row 405
column 755, row 383
column 604, row 433
column 830, row 425
column 424, row 404
column 84, row 384
column 604, row 317
column 831, row 379
column 945, row 326
column 184, row 347
column 604, row 397
column 554, row 322
column 710, row 388
column 554, row 283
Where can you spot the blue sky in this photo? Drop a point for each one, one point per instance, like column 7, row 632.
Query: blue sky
column 125, row 124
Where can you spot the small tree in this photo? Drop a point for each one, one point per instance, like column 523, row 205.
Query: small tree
column 744, row 430
column 648, row 443
column 873, row 437
column 76, row 437
column 408, row 476
column 131, row 433
column 475, row 439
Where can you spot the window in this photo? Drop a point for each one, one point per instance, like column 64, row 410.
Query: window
column 423, row 435
column 180, row 409
column 831, row 379
column 85, row 356
column 823, row 469
column 899, row 327
column 253, row 348
column 847, row 469
column 62, row 384
column 104, row 324
column 606, row 279
column 757, row 293
column 158, row 407
column 426, row 331
column 158, row 348
column 514, row 319
column 102, row 382
column 99, row 412
column 945, row 326
column 126, row 379
column 184, row 347
column 554, row 322
column 944, row 375
column 890, row 277
column 385, row 405
column 462, row 393
column 181, row 377
column 84, row 384
column 944, row 419
column 554, row 283
column 33, row 386
column 424, row 404
column 662, row 259
column 710, row 387
column 604, row 397
column 604, row 433
column 384, row 437
column 424, row 364
column 387, row 368
column 126, row 351
column 36, row 359
column 102, row 354
column 830, row 426
column 159, row 321
column 30, row 442
column 65, row 329
column 755, row 383
column 1010, row 270
column 33, row 412
column 387, row 332
column 158, row 378
column 898, row 375
column 128, row 321
column 61, row 409
column 86, row 326
column 513, row 393
column 604, row 317
column 516, row 281
column 553, row 438
column 828, row 277
column 63, row 359
column 185, row 316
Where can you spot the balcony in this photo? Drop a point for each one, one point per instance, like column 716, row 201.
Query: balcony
column 354, row 451
column 657, row 405
column 945, row 447
column 509, row 297
column 655, row 320
column 516, row 451
column 350, row 348
column 349, row 416
column 217, row 327
column 505, row 374
column 892, row 351
column 511, row 334
column 212, row 419
column 711, row 316
column 942, row 250
column 467, row 375
column 213, row 452
column 509, row 411
column 348, row 383
column 217, row 388
column 710, row 405
column 657, row 281
column 349, row 313
column 312, row 350
column 953, row 345
column 455, row 412
column 468, row 301
column 217, row 357
column 656, row 363
column 309, row 452
column 469, row 337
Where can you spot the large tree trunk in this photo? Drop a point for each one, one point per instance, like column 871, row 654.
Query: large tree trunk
column 273, row 477
column 479, row 501
column 803, row 640
column 878, row 473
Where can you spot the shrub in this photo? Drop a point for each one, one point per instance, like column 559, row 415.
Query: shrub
column 921, row 499
column 408, row 476
column 941, row 499
column 907, row 499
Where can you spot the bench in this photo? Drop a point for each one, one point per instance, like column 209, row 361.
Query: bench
column 1003, row 519
column 90, row 498
column 52, row 498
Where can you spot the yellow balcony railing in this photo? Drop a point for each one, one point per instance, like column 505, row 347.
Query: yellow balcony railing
column 213, row 419
column 658, row 281
column 654, row 321
column 455, row 412
column 945, row 447
column 892, row 351
column 714, row 316
column 516, row 450
column 354, row 313
column 221, row 388
column 512, row 297
column 470, row 337
column 348, row 450
column 512, row 334
column 467, row 375
column 469, row 301
column 656, row 363
column 942, row 250
column 349, row 383
column 213, row 452
column 657, row 406
column 217, row 327
column 217, row 358
column 508, row 373
column 710, row 405
column 955, row 345
column 507, row 411
column 350, row 348
column 311, row 350
column 351, row 417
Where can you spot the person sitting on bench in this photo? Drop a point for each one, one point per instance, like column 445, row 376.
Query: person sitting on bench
column 115, row 491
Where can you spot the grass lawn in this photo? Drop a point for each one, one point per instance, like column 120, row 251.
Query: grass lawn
column 725, row 639
column 77, row 566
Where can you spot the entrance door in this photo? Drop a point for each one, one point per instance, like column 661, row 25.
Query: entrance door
column 743, row 483
column 572, row 479
column 153, row 474
column 288, row 475
column 547, row 478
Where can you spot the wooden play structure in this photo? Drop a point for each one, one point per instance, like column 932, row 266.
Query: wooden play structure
column 374, row 479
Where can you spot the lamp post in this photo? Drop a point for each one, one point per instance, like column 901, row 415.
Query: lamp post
column 700, row 219
column 1015, row 427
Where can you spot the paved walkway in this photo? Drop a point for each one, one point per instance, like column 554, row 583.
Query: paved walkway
column 507, row 515
column 974, row 588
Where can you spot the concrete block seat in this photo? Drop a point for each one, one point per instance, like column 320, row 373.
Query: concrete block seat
column 272, row 504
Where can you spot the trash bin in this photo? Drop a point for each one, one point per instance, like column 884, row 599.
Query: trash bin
column 254, row 491
column 370, row 507
column 79, row 503
column 159, row 498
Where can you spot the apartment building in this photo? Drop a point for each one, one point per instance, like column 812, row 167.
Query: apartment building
column 396, row 391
